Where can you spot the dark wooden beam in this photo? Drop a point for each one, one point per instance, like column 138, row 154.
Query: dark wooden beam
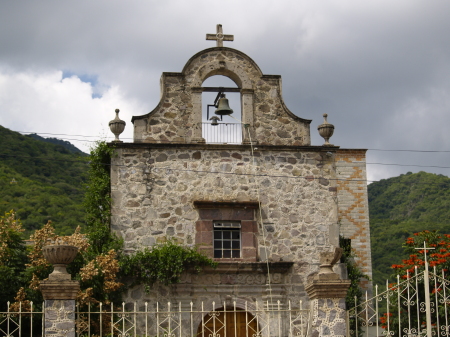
column 217, row 89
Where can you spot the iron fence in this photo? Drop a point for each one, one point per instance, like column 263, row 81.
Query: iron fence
column 22, row 319
column 223, row 320
column 416, row 305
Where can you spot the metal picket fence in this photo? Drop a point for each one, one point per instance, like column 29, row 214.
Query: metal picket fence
column 22, row 319
column 246, row 319
column 416, row 305
column 223, row 320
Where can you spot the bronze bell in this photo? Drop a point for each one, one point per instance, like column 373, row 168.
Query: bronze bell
column 223, row 109
column 214, row 120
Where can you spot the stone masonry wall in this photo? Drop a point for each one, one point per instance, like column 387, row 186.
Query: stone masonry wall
column 154, row 188
column 353, row 206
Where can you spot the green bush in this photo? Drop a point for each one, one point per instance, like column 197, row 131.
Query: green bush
column 164, row 263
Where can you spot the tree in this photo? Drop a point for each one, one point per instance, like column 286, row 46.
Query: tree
column 13, row 257
column 438, row 256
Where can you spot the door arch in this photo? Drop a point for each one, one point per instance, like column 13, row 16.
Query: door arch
column 228, row 323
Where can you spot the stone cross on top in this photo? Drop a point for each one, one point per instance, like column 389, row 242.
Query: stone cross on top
column 219, row 36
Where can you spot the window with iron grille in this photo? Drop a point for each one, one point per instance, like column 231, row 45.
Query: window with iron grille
column 227, row 239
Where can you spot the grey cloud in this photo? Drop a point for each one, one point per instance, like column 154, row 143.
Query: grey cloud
column 380, row 69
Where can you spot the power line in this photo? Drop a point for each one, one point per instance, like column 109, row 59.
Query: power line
column 422, row 151
column 130, row 138
column 414, row 165
column 169, row 169
column 367, row 163
column 61, row 134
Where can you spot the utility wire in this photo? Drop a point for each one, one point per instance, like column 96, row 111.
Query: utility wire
column 367, row 163
column 130, row 138
column 169, row 169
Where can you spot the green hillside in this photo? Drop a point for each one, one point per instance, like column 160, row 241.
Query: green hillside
column 69, row 146
column 401, row 206
column 41, row 181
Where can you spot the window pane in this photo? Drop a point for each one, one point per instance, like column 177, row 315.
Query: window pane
column 235, row 234
column 227, row 241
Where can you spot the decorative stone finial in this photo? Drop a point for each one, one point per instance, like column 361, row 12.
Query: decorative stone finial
column 327, row 261
column 326, row 130
column 117, row 126
column 327, row 284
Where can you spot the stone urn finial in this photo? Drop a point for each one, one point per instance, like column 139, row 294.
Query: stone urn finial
column 60, row 255
column 117, row 126
column 326, row 130
column 327, row 261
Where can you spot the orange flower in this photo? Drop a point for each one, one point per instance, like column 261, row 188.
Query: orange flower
column 397, row 266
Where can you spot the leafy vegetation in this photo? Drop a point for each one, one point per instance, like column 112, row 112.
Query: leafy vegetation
column 41, row 182
column 13, row 257
column 401, row 206
column 164, row 263
column 438, row 256
column 354, row 273
column 97, row 200
column 67, row 145
column 354, row 293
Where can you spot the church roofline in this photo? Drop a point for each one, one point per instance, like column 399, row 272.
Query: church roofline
column 208, row 50
column 224, row 49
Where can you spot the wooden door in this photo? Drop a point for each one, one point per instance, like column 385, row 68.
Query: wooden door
column 228, row 323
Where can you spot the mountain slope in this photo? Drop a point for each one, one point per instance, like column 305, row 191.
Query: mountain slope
column 69, row 146
column 41, row 181
column 401, row 206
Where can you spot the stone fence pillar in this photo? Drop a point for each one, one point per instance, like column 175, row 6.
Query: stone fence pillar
column 327, row 293
column 60, row 292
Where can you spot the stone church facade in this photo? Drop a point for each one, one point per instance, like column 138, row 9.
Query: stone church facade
column 264, row 208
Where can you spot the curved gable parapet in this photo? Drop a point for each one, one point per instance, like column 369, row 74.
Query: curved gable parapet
column 286, row 109
column 178, row 115
column 220, row 54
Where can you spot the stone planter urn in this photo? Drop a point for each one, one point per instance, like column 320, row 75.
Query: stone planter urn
column 326, row 130
column 117, row 126
column 60, row 256
column 59, row 285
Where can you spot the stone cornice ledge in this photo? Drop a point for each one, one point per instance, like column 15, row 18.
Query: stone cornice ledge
column 225, row 147
column 281, row 267
column 327, row 289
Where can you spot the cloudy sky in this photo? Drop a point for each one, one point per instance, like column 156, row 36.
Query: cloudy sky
column 379, row 68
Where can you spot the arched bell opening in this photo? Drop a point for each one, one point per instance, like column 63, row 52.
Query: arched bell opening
column 230, row 322
column 224, row 127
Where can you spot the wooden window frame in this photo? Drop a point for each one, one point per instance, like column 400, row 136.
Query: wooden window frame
column 210, row 211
